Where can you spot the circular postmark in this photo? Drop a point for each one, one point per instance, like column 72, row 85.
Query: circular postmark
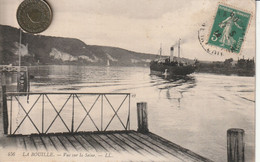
column 203, row 38
column 34, row 16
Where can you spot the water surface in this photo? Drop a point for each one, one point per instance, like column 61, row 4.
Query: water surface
column 194, row 112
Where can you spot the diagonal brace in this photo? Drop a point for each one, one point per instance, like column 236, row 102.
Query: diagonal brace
column 58, row 113
column 27, row 114
column 87, row 112
column 115, row 111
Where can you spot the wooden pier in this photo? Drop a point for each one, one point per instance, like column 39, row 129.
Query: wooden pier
column 133, row 143
column 140, row 145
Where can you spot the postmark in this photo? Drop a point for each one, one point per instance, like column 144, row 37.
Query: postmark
column 203, row 36
column 229, row 29
column 34, row 16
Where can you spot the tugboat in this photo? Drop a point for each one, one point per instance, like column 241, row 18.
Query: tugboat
column 171, row 66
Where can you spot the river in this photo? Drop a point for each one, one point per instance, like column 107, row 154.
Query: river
column 194, row 112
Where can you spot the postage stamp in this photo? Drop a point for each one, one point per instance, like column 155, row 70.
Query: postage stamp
column 229, row 28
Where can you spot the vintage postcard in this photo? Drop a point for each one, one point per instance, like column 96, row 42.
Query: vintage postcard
column 118, row 80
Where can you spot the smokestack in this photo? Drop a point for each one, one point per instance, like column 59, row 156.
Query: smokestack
column 171, row 56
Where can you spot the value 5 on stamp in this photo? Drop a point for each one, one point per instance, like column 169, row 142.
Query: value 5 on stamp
column 229, row 29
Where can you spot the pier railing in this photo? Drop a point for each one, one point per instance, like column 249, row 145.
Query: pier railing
column 43, row 110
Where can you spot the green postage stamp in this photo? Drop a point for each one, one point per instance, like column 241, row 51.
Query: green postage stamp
column 229, row 28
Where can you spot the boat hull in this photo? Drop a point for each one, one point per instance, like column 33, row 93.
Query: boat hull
column 162, row 69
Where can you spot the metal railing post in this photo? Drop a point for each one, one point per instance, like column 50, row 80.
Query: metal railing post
column 102, row 112
column 11, row 114
column 43, row 113
column 72, row 122
column 129, row 113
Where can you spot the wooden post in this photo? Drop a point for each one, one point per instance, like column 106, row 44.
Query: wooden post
column 4, row 104
column 235, row 145
column 142, row 117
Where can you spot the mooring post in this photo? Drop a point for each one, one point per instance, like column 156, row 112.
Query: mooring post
column 4, row 104
column 235, row 145
column 142, row 117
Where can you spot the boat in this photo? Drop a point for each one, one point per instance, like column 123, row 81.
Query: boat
column 171, row 66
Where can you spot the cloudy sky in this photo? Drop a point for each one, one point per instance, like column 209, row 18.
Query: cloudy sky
column 138, row 25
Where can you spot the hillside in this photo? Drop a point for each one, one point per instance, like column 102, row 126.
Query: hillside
column 42, row 50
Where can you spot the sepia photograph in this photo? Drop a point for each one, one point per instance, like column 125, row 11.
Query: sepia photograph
column 118, row 80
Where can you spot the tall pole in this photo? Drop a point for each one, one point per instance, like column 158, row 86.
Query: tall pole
column 19, row 63
column 20, row 42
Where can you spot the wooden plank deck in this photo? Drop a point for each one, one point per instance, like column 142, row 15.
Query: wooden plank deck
column 147, row 145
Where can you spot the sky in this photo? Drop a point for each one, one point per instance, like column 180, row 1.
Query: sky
column 137, row 25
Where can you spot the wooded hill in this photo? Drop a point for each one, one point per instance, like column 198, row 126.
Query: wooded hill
column 42, row 50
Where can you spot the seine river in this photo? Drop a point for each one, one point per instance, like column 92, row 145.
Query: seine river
column 194, row 112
